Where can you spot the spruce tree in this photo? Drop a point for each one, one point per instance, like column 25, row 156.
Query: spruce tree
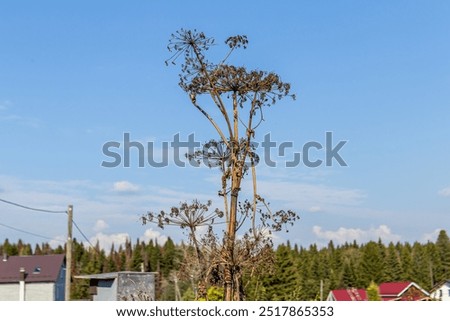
column 349, row 278
column 420, row 265
column 443, row 248
column 372, row 264
column 286, row 280
column 393, row 267
column 405, row 252
column 137, row 257
column 167, row 257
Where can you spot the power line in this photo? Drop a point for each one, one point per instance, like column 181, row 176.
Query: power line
column 30, row 233
column 45, row 211
column 31, row 208
column 46, row 237
column 84, row 236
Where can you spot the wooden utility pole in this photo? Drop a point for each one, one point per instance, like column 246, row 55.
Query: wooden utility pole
column 177, row 288
column 69, row 252
column 321, row 290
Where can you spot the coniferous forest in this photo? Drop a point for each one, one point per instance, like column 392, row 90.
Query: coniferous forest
column 293, row 272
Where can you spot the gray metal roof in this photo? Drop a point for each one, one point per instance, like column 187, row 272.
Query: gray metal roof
column 109, row 276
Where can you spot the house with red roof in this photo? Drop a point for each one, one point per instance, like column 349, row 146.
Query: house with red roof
column 402, row 291
column 389, row 291
column 32, row 278
column 351, row 294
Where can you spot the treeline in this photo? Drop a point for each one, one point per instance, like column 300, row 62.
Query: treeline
column 299, row 272
column 296, row 273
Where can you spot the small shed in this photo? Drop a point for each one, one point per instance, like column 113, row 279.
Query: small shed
column 122, row 286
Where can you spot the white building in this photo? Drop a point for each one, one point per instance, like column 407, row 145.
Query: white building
column 441, row 291
column 32, row 278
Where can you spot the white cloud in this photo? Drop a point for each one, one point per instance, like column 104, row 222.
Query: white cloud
column 445, row 192
column 313, row 198
column 105, row 241
column 100, row 225
column 57, row 241
column 343, row 234
column 5, row 104
column 7, row 115
column 17, row 119
column 315, row 209
column 432, row 237
column 97, row 209
column 291, row 191
column 100, row 213
column 125, row 187
column 151, row 234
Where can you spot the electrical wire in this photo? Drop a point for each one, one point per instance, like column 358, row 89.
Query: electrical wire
column 30, row 233
column 82, row 234
column 45, row 211
column 31, row 208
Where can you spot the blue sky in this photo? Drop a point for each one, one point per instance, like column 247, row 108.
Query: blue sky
column 75, row 75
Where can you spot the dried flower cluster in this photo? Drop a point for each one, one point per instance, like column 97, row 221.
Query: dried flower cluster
column 240, row 95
